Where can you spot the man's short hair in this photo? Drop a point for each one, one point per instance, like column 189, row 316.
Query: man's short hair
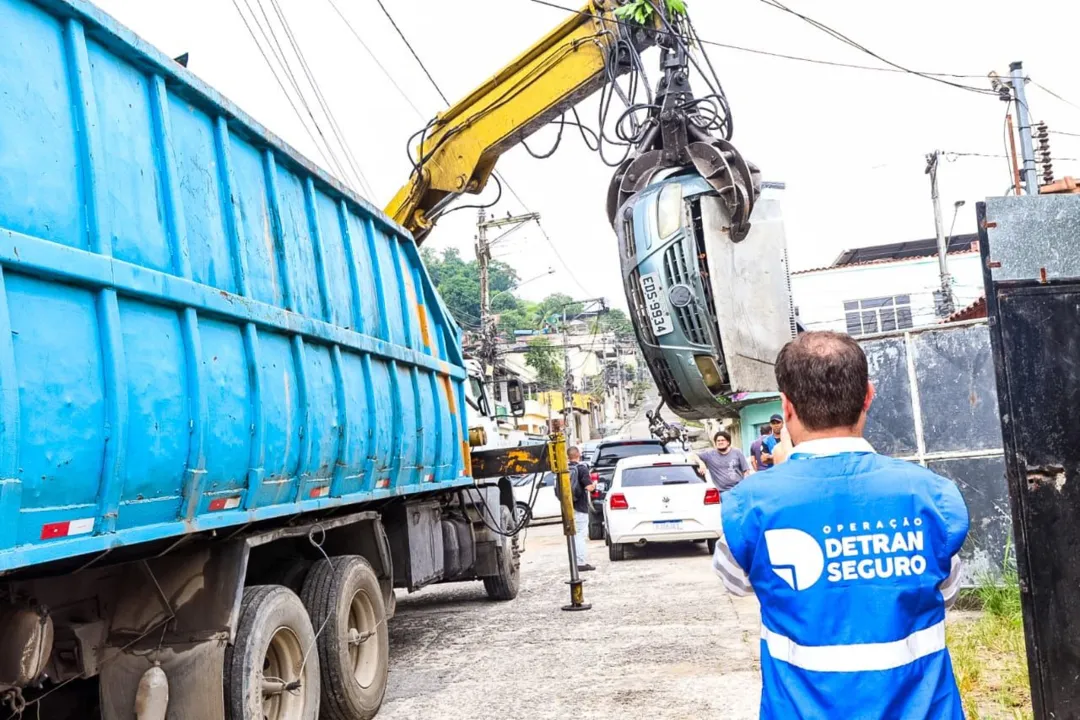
column 572, row 451
column 765, row 430
column 722, row 434
column 824, row 375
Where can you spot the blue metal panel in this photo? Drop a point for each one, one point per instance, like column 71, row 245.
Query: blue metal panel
column 198, row 328
column 39, row 174
column 194, row 152
column 10, row 483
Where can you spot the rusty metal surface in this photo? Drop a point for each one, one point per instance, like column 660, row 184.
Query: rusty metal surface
column 499, row 462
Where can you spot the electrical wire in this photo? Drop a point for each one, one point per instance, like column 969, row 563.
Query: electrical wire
column 415, row 56
column 374, row 57
column 769, row 53
column 335, row 128
column 280, row 83
column 848, row 41
column 276, row 48
column 1053, row 94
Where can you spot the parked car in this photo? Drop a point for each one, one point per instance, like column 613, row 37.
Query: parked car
column 660, row 498
column 608, row 454
column 710, row 314
column 588, row 451
column 545, row 505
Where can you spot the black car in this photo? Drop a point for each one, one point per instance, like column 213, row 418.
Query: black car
column 608, row 454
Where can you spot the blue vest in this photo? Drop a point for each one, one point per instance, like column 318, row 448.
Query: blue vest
column 845, row 554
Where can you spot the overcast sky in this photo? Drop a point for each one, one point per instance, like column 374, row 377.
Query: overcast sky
column 850, row 144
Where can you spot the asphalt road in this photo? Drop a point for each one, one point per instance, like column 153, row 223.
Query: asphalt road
column 662, row 640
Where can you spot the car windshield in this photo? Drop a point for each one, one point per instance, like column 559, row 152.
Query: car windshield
column 612, row 454
column 660, row 475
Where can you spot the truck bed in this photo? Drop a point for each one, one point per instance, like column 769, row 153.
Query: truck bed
column 198, row 327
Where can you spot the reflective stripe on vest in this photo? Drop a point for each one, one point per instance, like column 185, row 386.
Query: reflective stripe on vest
column 856, row 657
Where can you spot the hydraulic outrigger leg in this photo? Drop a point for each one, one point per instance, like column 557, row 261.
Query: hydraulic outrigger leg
column 557, row 448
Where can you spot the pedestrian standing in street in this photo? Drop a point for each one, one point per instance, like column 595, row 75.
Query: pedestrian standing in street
column 756, row 448
column 726, row 465
column 852, row 555
column 770, row 441
column 581, row 485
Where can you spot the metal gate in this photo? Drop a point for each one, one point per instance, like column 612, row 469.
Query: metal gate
column 1031, row 257
column 936, row 405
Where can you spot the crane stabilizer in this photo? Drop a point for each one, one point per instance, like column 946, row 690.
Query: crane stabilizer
column 459, row 148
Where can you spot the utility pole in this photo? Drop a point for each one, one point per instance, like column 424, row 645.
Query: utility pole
column 1027, row 149
column 947, row 306
column 568, row 385
column 483, row 258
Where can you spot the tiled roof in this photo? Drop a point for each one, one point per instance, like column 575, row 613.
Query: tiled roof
column 973, row 311
column 883, row 261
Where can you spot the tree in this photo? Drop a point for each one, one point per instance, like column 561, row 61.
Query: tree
column 458, row 282
column 543, row 358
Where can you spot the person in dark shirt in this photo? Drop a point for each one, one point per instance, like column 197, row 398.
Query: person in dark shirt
column 776, row 425
column 756, row 449
column 581, row 486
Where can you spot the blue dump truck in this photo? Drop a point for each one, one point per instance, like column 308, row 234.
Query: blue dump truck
column 233, row 409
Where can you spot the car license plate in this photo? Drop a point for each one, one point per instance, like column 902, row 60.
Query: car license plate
column 655, row 305
column 668, row 524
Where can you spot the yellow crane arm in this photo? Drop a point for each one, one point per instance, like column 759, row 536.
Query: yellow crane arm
column 459, row 149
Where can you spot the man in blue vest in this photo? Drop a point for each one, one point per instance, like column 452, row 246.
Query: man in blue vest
column 852, row 555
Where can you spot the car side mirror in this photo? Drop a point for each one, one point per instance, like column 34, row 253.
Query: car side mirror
column 516, row 397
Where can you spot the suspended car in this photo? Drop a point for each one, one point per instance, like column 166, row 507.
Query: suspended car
column 711, row 308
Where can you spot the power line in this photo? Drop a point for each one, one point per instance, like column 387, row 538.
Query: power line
column 323, row 103
column 415, row 56
column 1053, row 94
column 281, row 84
column 848, row 41
column 782, row 56
column 270, row 35
column 374, row 57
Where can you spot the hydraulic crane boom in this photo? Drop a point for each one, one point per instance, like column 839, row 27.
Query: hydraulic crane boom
column 459, row 148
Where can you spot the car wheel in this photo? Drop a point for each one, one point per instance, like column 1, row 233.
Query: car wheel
column 616, row 551
column 711, row 544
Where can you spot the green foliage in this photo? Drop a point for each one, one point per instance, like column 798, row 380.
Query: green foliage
column 988, row 650
column 641, row 11
column 544, row 359
column 458, row 282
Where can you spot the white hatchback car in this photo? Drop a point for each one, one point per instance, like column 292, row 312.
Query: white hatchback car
column 660, row 498
column 537, row 490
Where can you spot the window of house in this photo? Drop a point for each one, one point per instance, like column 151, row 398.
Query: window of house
column 874, row 315
column 498, row 391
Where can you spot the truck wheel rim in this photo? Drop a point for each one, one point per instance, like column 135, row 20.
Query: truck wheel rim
column 282, row 667
column 363, row 640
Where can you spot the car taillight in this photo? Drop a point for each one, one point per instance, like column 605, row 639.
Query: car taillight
column 618, row 502
column 594, row 476
column 712, row 496
column 595, row 494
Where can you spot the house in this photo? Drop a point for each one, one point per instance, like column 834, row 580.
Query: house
column 869, row 290
column 886, row 287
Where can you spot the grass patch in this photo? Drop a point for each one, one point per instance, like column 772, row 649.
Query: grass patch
column 988, row 652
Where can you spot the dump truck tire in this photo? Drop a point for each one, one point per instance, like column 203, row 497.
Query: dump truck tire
column 504, row 586
column 272, row 636
column 344, row 599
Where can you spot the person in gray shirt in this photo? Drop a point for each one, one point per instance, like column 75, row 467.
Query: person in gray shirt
column 726, row 465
